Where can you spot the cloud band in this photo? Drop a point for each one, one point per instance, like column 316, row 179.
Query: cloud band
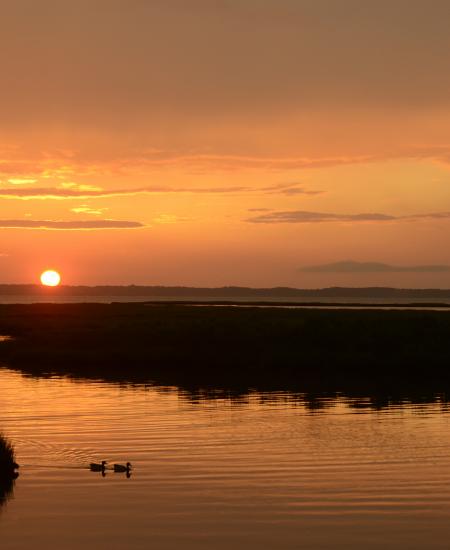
column 69, row 225
column 301, row 216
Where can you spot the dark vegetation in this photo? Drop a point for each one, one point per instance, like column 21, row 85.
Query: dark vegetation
column 226, row 347
column 7, row 456
column 7, row 470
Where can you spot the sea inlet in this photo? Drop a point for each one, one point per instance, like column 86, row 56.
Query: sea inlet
column 218, row 470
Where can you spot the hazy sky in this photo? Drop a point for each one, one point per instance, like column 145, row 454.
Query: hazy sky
column 226, row 142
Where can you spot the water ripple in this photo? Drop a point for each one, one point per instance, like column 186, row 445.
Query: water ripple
column 247, row 473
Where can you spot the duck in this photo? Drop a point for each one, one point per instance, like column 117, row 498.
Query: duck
column 120, row 468
column 95, row 467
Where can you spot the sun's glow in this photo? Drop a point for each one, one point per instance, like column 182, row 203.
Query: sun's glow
column 50, row 278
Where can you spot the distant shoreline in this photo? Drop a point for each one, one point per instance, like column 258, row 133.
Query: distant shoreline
column 225, row 293
column 237, row 302
column 300, row 305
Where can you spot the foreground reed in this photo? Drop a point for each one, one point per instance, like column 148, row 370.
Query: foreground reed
column 8, row 462
column 8, row 468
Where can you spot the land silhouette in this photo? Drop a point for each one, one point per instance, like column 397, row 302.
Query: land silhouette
column 228, row 347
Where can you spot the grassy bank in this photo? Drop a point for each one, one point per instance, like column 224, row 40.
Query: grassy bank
column 7, row 456
column 225, row 346
column 7, row 470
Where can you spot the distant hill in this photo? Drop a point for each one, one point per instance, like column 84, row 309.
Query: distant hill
column 227, row 292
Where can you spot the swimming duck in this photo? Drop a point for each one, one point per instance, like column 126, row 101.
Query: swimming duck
column 121, row 468
column 94, row 467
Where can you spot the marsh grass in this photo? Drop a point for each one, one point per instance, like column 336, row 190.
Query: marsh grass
column 7, row 488
column 194, row 346
column 7, row 455
column 8, row 474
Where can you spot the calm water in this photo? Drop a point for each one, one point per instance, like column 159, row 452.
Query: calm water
column 236, row 299
column 269, row 471
column 397, row 303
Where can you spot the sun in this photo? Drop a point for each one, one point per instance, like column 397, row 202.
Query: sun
column 50, row 278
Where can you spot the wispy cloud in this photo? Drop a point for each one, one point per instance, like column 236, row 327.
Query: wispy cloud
column 79, row 187
column 226, row 162
column 350, row 266
column 302, row 216
column 289, row 189
column 69, row 225
column 87, row 192
column 21, row 181
column 69, row 193
column 147, row 161
column 431, row 216
column 22, row 166
column 85, row 209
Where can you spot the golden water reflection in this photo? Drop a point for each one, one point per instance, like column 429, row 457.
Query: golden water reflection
column 213, row 470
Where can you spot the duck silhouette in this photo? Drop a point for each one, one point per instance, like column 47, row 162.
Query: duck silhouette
column 120, row 468
column 95, row 467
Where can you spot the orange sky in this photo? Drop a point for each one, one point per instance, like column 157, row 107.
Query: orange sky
column 235, row 142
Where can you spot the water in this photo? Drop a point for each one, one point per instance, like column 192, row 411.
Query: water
column 268, row 471
column 374, row 302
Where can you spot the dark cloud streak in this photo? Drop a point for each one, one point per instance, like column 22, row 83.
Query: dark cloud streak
column 301, row 216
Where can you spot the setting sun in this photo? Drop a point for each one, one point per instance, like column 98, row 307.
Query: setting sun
column 50, row 278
